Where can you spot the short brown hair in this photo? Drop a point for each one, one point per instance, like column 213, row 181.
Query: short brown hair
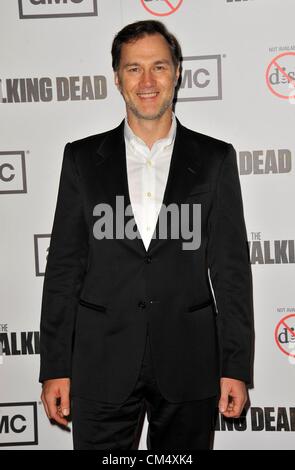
column 139, row 29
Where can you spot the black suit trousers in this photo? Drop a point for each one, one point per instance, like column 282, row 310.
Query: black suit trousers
column 171, row 426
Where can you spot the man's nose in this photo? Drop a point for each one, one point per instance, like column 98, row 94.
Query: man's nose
column 147, row 78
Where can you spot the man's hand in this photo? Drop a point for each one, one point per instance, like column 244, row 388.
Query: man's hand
column 57, row 390
column 233, row 397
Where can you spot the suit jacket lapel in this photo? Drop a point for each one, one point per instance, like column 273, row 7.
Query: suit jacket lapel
column 113, row 177
column 184, row 167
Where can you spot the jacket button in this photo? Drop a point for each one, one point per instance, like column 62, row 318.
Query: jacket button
column 142, row 304
column 148, row 259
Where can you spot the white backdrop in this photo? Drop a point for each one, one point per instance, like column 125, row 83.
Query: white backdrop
column 246, row 51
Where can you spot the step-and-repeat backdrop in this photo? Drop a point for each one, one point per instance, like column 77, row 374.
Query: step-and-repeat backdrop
column 56, row 85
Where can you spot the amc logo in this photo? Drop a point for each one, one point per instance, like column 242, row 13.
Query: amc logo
column 29, row 9
column 201, row 79
column 13, row 172
column 18, row 424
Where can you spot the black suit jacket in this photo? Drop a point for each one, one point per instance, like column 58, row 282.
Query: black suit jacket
column 100, row 295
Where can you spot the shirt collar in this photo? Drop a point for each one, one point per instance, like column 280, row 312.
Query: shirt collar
column 164, row 142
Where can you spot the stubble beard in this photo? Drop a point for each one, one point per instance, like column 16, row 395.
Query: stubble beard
column 150, row 117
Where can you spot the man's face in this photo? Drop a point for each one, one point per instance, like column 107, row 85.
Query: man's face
column 147, row 77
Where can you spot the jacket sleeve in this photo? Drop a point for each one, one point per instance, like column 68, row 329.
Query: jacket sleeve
column 230, row 272
column 66, row 264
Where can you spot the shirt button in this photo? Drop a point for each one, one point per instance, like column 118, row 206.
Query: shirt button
column 148, row 259
column 149, row 162
column 148, row 227
column 142, row 304
column 148, row 194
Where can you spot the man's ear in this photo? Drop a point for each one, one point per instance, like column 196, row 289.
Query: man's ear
column 117, row 81
column 177, row 73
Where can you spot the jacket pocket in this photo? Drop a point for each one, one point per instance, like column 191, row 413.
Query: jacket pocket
column 99, row 308
column 193, row 308
column 200, row 188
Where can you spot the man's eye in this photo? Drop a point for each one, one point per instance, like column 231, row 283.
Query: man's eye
column 134, row 69
column 160, row 67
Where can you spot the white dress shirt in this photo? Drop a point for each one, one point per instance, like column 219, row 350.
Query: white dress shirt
column 147, row 171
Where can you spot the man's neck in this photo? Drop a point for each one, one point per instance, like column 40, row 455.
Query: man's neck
column 151, row 130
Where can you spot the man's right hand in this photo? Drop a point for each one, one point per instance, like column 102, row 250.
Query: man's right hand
column 53, row 390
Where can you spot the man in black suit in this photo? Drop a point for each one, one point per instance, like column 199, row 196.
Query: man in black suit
column 132, row 321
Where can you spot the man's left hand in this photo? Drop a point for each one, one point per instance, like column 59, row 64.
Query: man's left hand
column 233, row 397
